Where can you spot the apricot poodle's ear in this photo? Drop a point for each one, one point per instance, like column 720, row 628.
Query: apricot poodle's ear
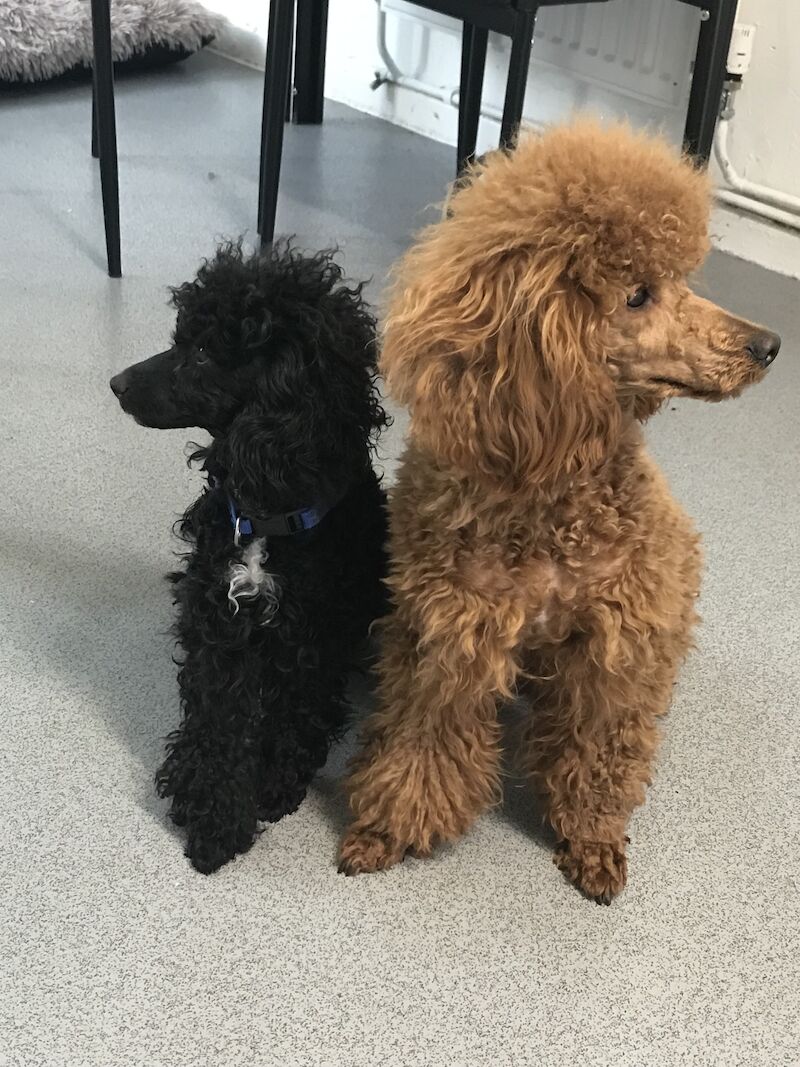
column 497, row 369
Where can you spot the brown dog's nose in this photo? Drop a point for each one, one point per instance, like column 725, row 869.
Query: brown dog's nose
column 764, row 347
column 119, row 383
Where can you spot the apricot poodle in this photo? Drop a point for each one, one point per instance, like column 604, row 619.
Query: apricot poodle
column 531, row 332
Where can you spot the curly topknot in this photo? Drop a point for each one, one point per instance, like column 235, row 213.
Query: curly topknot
column 223, row 308
column 615, row 206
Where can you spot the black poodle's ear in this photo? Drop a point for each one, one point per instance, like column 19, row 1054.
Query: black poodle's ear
column 284, row 460
column 297, row 346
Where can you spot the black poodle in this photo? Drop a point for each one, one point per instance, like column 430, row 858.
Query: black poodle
column 274, row 355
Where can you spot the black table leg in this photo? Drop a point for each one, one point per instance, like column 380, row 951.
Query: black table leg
column 521, row 44
column 103, row 84
column 276, row 86
column 309, row 60
column 708, row 77
column 473, row 65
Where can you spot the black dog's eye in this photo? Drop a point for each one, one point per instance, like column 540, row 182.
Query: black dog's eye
column 639, row 298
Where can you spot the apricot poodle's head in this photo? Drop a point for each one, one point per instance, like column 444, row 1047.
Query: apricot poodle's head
column 552, row 303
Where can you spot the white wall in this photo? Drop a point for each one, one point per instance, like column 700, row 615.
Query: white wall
column 765, row 138
column 245, row 36
column 764, row 141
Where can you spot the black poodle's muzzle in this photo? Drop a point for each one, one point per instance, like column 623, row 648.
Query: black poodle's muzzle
column 146, row 390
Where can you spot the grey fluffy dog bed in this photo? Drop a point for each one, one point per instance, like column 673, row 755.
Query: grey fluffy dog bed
column 43, row 39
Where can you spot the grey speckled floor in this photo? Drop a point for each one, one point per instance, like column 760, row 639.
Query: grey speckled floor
column 112, row 950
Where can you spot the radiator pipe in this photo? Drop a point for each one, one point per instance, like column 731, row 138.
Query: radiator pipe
column 392, row 75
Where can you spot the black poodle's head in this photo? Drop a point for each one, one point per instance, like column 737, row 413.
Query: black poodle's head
column 274, row 355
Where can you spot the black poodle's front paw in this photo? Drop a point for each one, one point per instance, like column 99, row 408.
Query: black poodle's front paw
column 213, row 803
column 208, row 854
column 217, row 826
column 211, row 845
column 207, row 857
column 273, row 806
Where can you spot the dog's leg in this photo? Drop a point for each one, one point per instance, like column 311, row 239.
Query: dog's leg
column 213, row 759
column 590, row 743
column 430, row 761
column 254, row 734
column 308, row 710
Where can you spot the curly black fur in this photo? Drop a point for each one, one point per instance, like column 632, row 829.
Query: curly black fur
column 275, row 356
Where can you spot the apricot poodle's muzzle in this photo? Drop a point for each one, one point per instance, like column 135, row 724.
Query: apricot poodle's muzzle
column 763, row 347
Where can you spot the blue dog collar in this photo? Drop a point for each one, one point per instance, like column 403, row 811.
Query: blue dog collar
column 284, row 525
column 291, row 522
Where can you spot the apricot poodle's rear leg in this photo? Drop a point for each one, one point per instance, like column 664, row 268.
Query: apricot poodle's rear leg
column 430, row 762
column 589, row 747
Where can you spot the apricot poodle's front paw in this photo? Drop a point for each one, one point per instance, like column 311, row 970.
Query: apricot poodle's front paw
column 598, row 869
column 365, row 851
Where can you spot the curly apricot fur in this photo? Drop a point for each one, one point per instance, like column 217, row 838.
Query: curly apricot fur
column 533, row 541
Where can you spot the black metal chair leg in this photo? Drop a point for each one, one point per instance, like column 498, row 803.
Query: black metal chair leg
column 467, row 33
column 473, row 65
column 521, row 44
column 95, row 149
column 708, row 77
column 276, row 82
column 106, row 130
column 309, row 62
column 289, row 85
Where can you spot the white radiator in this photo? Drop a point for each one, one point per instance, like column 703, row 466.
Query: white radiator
column 640, row 48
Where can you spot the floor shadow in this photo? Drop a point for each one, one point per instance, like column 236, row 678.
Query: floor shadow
column 62, row 221
column 523, row 810
column 102, row 625
column 105, row 631
column 521, row 806
column 328, row 787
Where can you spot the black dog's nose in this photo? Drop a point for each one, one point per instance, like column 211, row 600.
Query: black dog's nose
column 764, row 347
column 119, row 383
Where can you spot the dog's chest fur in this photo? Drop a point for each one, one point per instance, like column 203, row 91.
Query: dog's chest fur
column 604, row 547
column 251, row 581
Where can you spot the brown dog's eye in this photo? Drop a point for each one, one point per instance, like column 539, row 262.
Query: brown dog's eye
column 639, row 298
